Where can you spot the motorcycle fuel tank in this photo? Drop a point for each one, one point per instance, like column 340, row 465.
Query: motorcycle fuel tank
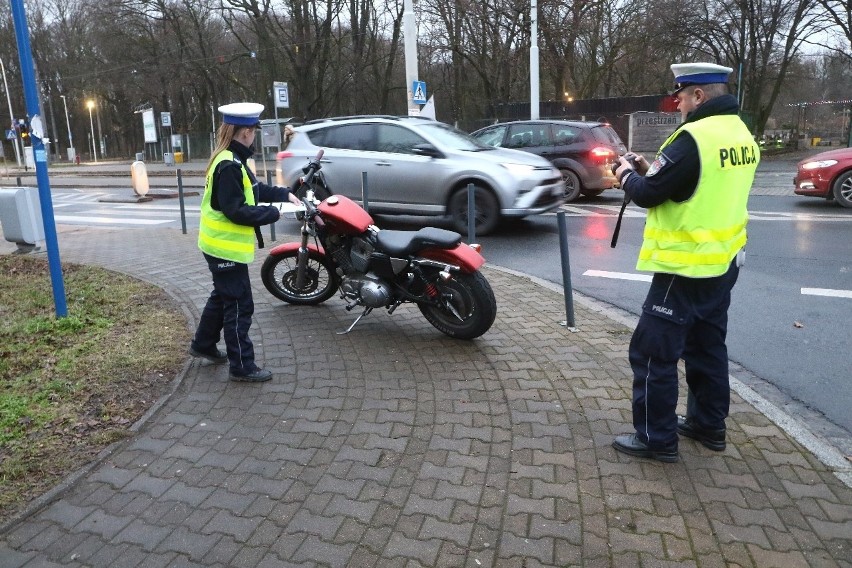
column 345, row 215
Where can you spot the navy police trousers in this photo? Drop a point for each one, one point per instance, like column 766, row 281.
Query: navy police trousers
column 229, row 310
column 681, row 318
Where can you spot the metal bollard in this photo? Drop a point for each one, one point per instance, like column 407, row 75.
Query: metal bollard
column 271, row 225
column 471, row 213
column 180, row 200
column 364, row 192
column 566, row 271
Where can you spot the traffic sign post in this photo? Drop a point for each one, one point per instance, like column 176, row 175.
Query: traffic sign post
column 25, row 54
column 166, row 121
column 281, row 96
column 418, row 92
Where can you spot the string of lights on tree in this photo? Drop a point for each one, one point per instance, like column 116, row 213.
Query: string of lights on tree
column 814, row 103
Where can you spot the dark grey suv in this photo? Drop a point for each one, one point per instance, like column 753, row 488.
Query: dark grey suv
column 583, row 151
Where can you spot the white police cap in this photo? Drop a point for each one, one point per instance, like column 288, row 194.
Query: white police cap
column 687, row 74
column 241, row 114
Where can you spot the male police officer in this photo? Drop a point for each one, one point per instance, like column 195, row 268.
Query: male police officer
column 230, row 216
column 695, row 192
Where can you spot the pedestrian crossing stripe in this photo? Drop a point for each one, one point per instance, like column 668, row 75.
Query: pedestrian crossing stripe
column 89, row 220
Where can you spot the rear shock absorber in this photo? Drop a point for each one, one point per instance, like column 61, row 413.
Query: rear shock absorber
column 431, row 290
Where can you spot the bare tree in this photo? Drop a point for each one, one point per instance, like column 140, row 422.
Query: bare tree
column 840, row 13
column 346, row 57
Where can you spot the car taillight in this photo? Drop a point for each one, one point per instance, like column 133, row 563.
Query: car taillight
column 284, row 154
column 601, row 154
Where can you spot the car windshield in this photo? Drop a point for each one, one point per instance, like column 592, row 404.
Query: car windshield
column 449, row 137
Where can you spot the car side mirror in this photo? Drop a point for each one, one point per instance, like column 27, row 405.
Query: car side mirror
column 427, row 150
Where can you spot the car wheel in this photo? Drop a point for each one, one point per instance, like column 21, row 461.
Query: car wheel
column 572, row 184
column 486, row 206
column 843, row 189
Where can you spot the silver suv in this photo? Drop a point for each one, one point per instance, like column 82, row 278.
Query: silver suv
column 417, row 166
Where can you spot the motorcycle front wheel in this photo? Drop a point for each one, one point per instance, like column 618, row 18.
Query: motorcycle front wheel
column 465, row 307
column 279, row 276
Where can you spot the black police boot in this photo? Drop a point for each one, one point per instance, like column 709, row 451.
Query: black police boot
column 711, row 439
column 631, row 445
column 214, row 355
column 257, row 376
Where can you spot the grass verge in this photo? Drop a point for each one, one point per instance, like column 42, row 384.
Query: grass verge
column 71, row 386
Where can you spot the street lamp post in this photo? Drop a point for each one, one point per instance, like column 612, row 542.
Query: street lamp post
column 90, row 103
column 71, row 152
column 101, row 140
column 11, row 116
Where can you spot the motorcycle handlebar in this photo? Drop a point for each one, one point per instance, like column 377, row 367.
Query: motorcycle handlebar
column 313, row 167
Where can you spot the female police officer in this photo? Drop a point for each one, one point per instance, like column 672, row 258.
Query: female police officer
column 230, row 217
column 695, row 192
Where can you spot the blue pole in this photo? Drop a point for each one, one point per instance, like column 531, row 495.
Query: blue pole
column 22, row 34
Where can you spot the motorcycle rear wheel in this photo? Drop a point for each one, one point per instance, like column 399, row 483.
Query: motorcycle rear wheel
column 279, row 276
column 471, row 297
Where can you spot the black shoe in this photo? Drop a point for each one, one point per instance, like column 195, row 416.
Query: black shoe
column 214, row 356
column 631, row 445
column 711, row 439
column 256, row 376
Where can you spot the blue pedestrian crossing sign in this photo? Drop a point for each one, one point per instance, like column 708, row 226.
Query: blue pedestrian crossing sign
column 418, row 89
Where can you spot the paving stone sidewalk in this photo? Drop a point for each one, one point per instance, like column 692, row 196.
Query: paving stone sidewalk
column 395, row 446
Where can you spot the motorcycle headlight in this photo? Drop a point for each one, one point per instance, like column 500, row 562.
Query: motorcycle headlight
column 519, row 169
column 818, row 164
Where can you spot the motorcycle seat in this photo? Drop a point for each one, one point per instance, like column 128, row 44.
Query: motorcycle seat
column 400, row 243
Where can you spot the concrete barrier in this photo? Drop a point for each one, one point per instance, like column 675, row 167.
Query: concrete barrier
column 20, row 215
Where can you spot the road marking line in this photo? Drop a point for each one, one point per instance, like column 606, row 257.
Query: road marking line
column 175, row 213
column 77, row 197
column 779, row 216
column 827, row 292
column 147, row 208
column 575, row 210
column 628, row 212
column 75, row 219
column 618, row 275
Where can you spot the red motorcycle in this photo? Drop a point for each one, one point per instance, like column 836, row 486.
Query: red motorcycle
column 342, row 249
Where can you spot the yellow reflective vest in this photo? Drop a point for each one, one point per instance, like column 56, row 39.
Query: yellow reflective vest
column 701, row 236
column 217, row 235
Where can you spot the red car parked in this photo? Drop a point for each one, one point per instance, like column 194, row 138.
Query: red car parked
column 827, row 174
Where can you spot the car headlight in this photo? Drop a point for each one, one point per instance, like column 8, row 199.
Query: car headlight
column 519, row 169
column 819, row 164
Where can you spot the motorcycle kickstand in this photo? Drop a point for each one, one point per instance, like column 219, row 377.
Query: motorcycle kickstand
column 364, row 313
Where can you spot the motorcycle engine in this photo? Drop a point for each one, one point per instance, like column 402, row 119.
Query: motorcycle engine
column 360, row 253
column 368, row 290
